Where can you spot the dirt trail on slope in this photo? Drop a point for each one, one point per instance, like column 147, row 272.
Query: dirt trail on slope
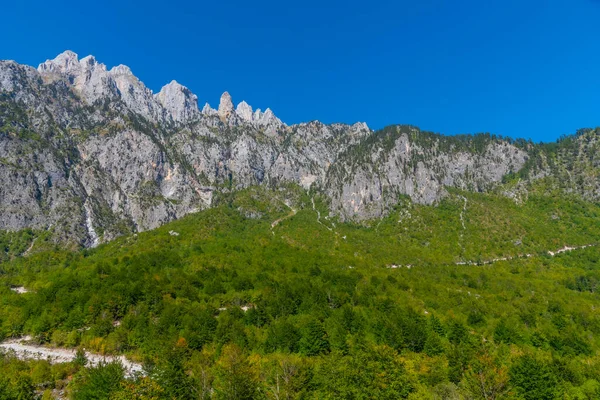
column 319, row 214
column 550, row 253
column 461, row 235
column 30, row 247
column 509, row 258
column 462, row 213
column 290, row 215
column 23, row 351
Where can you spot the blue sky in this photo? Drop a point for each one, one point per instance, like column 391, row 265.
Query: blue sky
column 526, row 68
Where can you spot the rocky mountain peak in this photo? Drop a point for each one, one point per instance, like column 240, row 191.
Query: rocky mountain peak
column 268, row 118
column 361, row 126
column 208, row 110
column 121, row 70
column 63, row 63
column 360, row 129
column 88, row 77
column 93, row 81
column 244, row 111
column 178, row 101
column 225, row 106
column 90, row 62
column 132, row 92
column 89, row 69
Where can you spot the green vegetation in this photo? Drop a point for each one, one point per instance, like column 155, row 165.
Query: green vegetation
column 222, row 305
column 570, row 162
column 14, row 244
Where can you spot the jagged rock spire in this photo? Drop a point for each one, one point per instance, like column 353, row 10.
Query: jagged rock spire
column 93, row 81
column 225, row 106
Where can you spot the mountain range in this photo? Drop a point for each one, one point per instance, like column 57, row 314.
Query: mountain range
column 90, row 153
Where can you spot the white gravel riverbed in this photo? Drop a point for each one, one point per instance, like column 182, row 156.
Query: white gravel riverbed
column 23, row 349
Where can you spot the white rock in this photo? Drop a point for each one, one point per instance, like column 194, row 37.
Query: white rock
column 89, row 62
column 23, row 350
column 225, row 106
column 63, row 63
column 136, row 95
column 268, row 122
column 360, row 129
column 179, row 102
column 208, row 110
column 268, row 118
column 244, row 111
column 93, row 81
column 121, row 70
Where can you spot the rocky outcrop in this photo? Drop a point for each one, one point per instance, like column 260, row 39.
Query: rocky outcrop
column 208, row 110
column 406, row 161
column 244, row 111
column 178, row 101
column 92, row 153
column 226, row 109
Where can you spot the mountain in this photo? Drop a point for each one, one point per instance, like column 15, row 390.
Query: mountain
column 306, row 261
column 90, row 153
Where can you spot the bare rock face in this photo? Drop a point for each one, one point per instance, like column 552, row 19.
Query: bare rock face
column 415, row 165
column 208, row 110
column 178, row 101
column 92, row 153
column 267, row 121
column 64, row 63
column 93, row 82
column 134, row 94
column 244, row 111
column 226, row 107
column 88, row 77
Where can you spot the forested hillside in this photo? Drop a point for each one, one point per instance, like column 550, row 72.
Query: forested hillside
column 265, row 296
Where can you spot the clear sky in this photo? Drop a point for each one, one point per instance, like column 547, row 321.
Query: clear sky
column 521, row 68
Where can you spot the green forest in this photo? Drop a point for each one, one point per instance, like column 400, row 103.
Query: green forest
column 265, row 296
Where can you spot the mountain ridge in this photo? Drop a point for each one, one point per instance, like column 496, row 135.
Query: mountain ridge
column 92, row 154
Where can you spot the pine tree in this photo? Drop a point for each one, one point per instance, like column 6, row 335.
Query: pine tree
column 314, row 340
column 534, row 379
